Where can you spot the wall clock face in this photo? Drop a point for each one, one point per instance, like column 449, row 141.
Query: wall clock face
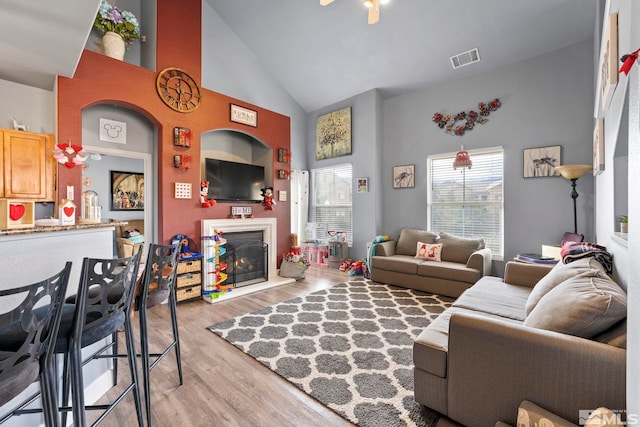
column 178, row 90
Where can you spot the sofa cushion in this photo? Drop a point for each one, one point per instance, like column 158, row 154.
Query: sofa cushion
column 582, row 306
column 449, row 271
column 559, row 273
column 492, row 296
column 458, row 249
column 398, row 263
column 429, row 251
column 615, row 335
column 409, row 238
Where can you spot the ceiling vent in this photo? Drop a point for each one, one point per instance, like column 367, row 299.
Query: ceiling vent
column 465, row 58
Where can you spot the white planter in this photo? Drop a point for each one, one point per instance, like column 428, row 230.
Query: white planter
column 113, row 44
column 624, row 227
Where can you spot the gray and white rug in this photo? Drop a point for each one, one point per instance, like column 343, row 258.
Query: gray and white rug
column 348, row 346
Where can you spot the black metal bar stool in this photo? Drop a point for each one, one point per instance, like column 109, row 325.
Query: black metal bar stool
column 158, row 284
column 28, row 329
column 100, row 308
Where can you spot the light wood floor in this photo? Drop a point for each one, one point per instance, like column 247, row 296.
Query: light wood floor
column 222, row 385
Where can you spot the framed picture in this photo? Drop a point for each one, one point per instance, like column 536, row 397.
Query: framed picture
column 598, row 147
column 608, row 65
column 541, row 161
column 404, row 176
column 127, row 191
column 244, row 116
column 363, row 185
column 333, row 134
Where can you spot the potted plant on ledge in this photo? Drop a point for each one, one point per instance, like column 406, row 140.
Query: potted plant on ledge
column 118, row 26
column 624, row 224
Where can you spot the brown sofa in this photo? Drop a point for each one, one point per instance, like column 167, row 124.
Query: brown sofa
column 125, row 246
column 464, row 261
column 556, row 337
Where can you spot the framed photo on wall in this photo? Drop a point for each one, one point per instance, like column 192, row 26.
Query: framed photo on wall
column 608, row 65
column 598, row 147
column 541, row 161
column 363, row 185
column 244, row 115
column 404, row 176
column 127, row 191
column 333, row 134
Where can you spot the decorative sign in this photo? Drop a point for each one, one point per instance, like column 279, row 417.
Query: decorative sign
column 113, row 131
column 244, row 116
column 67, row 212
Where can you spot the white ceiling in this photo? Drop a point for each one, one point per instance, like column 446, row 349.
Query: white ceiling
column 323, row 54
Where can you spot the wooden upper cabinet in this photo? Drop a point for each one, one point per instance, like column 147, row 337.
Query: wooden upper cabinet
column 28, row 165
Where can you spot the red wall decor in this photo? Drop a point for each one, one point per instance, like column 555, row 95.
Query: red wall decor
column 99, row 79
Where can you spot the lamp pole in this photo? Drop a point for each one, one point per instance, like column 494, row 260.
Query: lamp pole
column 574, row 196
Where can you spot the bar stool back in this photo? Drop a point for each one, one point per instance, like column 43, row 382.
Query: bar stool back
column 26, row 343
column 100, row 308
column 158, row 285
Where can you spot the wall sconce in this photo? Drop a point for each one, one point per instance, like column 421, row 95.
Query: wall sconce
column 182, row 137
column 284, row 155
column 182, row 161
column 283, row 174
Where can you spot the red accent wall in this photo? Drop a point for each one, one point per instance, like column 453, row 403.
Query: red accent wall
column 99, row 79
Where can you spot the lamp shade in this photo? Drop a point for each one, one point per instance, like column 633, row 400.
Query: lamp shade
column 573, row 171
column 462, row 160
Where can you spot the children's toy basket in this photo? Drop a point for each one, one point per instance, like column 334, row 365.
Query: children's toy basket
column 292, row 270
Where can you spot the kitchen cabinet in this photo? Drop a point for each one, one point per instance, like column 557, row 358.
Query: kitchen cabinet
column 28, row 166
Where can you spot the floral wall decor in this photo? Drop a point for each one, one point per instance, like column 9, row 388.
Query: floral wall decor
column 465, row 121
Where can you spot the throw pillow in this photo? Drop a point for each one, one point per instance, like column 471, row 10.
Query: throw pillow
column 428, row 251
column 559, row 273
column 458, row 249
column 582, row 306
column 409, row 238
column 131, row 233
column 532, row 415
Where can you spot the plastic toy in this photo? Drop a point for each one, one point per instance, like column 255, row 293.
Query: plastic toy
column 268, row 201
column 357, row 268
column 204, row 192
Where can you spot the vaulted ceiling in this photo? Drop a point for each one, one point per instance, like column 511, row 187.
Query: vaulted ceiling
column 324, row 54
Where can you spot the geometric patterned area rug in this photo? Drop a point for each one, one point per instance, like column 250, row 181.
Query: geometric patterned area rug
column 349, row 346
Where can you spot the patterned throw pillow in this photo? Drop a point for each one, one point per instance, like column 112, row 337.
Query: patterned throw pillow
column 429, row 251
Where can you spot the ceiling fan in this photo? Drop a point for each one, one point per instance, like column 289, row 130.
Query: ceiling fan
column 372, row 5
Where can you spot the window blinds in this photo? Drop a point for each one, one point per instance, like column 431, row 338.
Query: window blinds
column 331, row 201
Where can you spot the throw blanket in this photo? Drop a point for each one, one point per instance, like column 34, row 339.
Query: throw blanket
column 572, row 251
column 137, row 239
column 372, row 251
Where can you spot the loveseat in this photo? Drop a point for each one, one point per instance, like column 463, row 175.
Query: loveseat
column 556, row 337
column 456, row 265
column 129, row 237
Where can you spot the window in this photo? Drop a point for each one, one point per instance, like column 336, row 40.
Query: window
column 468, row 202
column 331, row 201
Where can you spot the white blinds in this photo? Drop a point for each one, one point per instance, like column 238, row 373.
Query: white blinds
column 468, row 202
column 331, row 201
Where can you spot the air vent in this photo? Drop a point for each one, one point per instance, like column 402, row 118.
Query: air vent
column 465, row 58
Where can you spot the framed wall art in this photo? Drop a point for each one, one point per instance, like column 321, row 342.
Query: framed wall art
column 404, row 176
column 127, row 191
column 363, row 185
column 598, row 147
column 244, row 116
column 333, row 134
column 608, row 65
column 541, row 161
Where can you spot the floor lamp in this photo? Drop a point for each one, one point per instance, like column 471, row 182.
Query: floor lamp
column 572, row 173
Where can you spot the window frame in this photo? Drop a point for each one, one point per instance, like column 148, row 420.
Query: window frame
column 347, row 167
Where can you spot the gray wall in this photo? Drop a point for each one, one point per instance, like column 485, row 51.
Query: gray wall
column 546, row 100
column 366, row 146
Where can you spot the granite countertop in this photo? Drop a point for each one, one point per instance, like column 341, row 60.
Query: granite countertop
column 53, row 228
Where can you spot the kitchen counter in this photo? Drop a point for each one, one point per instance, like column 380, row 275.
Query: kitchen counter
column 53, row 228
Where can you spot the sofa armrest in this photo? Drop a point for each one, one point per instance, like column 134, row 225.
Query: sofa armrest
column 386, row 248
column 494, row 365
column 481, row 260
column 524, row 274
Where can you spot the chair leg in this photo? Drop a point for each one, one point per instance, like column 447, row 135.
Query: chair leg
column 48, row 393
column 114, row 337
column 133, row 368
column 66, row 384
column 77, row 386
column 146, row 370
column 176, row 337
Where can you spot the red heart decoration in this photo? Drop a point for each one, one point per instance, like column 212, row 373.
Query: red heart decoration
column 77, row 148
column 61, row 146
column 68, row 211
column 16, row 211
column 70, row 165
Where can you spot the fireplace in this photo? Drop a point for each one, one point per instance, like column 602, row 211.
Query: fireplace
column 267, row 227
column 246, row 258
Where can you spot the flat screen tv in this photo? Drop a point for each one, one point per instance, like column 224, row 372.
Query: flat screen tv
column 234, row 182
